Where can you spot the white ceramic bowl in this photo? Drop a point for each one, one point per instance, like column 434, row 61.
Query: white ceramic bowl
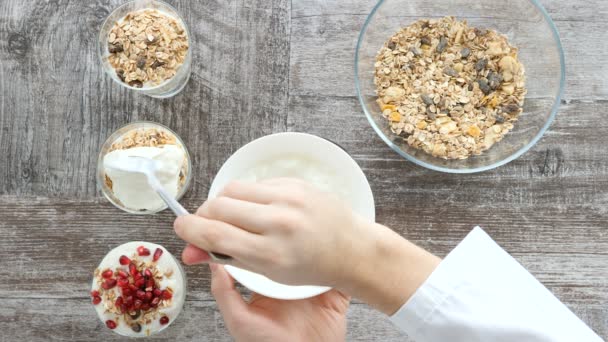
column 310, row 146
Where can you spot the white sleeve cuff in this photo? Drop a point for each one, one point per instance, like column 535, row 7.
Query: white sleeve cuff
column 480, row 293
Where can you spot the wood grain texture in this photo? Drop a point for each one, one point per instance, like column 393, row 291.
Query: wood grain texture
column 75, row 320
column 261, row 67
column 58, row 106
column 325, row 33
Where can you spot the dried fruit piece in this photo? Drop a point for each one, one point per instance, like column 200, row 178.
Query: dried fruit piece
column 465, row 52
column 443, row 42
column 474, row 131
column 481, row 64
column 136, row 327
column 483, row 85
column 395, row 117
column 387, row 106
column 426, row 99
column 115, row 48
column 163, row 320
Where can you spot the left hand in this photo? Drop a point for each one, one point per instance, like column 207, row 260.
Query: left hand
column 321, row 318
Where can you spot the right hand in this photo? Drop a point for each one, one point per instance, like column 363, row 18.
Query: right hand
column 293, row 233
column 282, row 228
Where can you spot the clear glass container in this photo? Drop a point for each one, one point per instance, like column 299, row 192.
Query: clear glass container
column 127, row 249
column 117, row 136
column 168, row 88
column 528, row 27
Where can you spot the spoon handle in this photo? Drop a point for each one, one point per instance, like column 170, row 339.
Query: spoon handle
column 178, row 210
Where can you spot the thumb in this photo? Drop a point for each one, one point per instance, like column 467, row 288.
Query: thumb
column 229, row 300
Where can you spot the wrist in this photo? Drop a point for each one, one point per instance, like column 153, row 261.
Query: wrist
column 389, row 271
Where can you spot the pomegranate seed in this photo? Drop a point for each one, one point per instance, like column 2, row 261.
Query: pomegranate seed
column 122, row 274
column 155, row 302
column 94, row 293
column 123, row 282
column 140, row 294
column 123, row 308
column 164, row 320
column 145, row 306
column 137, row 304
column 124, row 260
column 107, row 274
column 139, row 283
column 148, row 273
column 157, row 253
column 129, row 301
column 133, row 287
column 157, row 292
column 150, row 284
column 111, row 324
column 166, row 295
column 148, row 297
column 143, row 251
column 132, row 269
column 127, row 292
column 108, row 284
column 96, row 300
column 119, row 301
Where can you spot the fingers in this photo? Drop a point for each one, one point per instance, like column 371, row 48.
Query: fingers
column 193, row 255
column 335, row 300
column 252, row 217
column 216, row 236
column 228, row 299
column 250, row 192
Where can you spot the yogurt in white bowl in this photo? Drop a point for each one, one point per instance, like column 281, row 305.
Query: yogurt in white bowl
column 295, row 155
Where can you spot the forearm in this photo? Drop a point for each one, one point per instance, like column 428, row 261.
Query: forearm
column 389, row 271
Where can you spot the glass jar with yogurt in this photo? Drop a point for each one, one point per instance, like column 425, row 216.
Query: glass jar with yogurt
column 130, row 191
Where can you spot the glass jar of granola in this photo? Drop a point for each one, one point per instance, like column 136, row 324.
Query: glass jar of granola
column 144, row 45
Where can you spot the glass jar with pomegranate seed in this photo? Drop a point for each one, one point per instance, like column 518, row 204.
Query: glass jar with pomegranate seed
column 130, row 191
column 138, row 289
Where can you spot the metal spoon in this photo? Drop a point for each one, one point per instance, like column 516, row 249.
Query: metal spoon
column 149, row 167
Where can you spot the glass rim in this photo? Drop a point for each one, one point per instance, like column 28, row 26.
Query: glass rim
column 100, row 39
column 185, row 290
column 101, row 183
column 516, row 154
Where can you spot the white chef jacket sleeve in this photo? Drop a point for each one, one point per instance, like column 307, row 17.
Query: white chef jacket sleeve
column 480, row 293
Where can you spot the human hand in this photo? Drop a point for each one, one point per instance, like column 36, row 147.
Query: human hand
column 283, row 228
column 293, row 233
column 321, row 318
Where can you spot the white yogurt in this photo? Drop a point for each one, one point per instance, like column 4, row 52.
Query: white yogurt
column 166, row 263
column 132, row 189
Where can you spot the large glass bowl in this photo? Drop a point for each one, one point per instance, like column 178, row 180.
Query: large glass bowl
column 528, row 27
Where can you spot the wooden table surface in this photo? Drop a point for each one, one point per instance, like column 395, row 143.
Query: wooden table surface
column 261, row 67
